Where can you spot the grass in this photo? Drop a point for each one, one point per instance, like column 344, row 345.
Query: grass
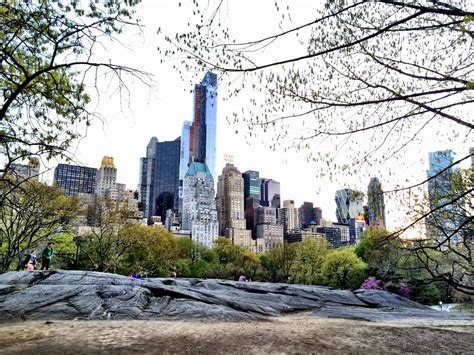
column 465, row 307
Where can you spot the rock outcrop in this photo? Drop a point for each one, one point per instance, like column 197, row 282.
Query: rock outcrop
column 69, row 295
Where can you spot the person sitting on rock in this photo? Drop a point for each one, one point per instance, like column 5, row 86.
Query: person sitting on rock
column 242, row 278
column 30, row 266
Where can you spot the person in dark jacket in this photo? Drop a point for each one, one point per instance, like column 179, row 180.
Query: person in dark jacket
column 46, row 256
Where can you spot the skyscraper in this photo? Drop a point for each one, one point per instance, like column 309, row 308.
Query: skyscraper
column 376, row 205
column 167, row 167
column 269, row 193
column 199, row 137
column 26, row 171
column 147, row 180
column 106, row 185
column 251, row 185
column 159, row 177
column 230, row 207
column 443, row 220
column 199, row 206
column 268, row 232
column 306, row 214
column 349, row 204
column 75, row 179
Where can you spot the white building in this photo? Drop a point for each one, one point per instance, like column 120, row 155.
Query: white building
column 199, row 206
column 106, row 185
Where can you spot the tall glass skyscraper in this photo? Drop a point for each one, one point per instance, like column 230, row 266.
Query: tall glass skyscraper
column 199, row 137
column 159, row 177
column 442, row 221
column 167, row 166
column 251, row 185
column 349, row 205
column 376, row 204
column 270, row 193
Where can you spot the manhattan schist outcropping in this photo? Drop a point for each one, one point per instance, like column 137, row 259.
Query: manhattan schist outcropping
column 69, row 295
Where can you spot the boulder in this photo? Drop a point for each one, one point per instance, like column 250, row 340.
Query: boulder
column 70, row 295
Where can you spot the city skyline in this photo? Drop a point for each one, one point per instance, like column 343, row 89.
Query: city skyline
column 161, row 111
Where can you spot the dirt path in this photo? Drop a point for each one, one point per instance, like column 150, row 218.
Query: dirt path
column 296, row 333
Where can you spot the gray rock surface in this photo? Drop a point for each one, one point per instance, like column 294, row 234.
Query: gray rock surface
column 72, row 295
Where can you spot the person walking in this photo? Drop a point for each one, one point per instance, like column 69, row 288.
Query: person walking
column 30, row 266
column 46, row 256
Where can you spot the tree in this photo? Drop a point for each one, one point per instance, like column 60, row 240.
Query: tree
column 386, row 72
column 343, row 269
column 309, row 258
column 279, row 263
column 108, row 235
column 30, row 216
column 154, row 253
column 46, row 58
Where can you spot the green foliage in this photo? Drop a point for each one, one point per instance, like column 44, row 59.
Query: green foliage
column 310, row 255
column 30, row 216
column 343, row 269
column 279, row 263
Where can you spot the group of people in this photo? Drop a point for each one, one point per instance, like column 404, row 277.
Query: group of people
column 30, row 261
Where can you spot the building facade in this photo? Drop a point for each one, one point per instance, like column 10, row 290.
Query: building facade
column 199, row 206
column 349, row 204
column 147, row 180
column 106, row 185
column 230, row 207
column 268, row 232
column 26, row 171
column 251, row 185
column 167, row 165
column 376, row 204
column 270, row 193
column 75, row 179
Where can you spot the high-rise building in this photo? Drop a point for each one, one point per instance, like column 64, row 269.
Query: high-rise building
column 252, row 204
column 199, row 136
column 289, row 217
column 269, row 193
column 147, row 180
column 317, row 215
column 167, row 167
column 268, row 232
column 251, row 185
column 376, row 205
column 306, row 214
column 199, row 206
column 443, row 220
column 75, row 179
column 230, row 207
column 349, row 205
column 159, row 178
column 106, row 184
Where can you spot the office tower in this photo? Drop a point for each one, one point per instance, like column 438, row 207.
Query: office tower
column 106, row 184
column 376, row 205
column 199, row 136
column 251, row 185
column 25, row 171
column 442, row 223
column 268, row 232
column 306, row 214
column 289, row 217
column 147, row 180
column 230, row 207
column 167, row 167
column 159, row 177
column 349, row 205
column 75, row 179
column 317, row 215
column 252, row 203
column 357, row 226
column 269, row 193
column 199, row 206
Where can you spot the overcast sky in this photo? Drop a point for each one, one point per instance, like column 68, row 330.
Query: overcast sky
column 159, row 111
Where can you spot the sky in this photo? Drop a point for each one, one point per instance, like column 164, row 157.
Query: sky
column 131, row 118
